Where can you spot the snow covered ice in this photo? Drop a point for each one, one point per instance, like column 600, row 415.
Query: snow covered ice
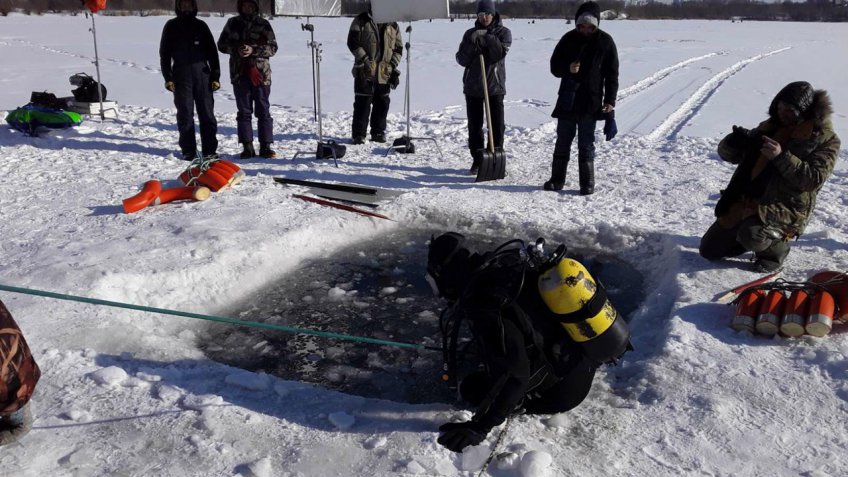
column 694, row 397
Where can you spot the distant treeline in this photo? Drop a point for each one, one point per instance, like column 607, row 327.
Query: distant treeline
column 810, row 10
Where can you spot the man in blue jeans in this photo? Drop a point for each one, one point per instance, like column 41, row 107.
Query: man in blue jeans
column 249, row 40
column 586, row 59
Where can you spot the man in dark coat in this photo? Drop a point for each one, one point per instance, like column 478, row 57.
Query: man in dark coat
column 782, row 165
column 491, row 39
column 250, row 41
column 192, row 72
column 516, row 350
column 586, row 59
column 377, row 49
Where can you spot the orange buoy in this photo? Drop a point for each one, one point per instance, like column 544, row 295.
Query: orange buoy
column 768, row 320
column 220, row 163
column 197, row 193
column 747, row 310
column 213, row 180
column 188, row 174
column 795, row 314
column 822, row 311
column 149, row 192
column 837, row 284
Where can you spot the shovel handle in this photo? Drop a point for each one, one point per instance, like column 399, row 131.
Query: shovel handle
column 486, row 104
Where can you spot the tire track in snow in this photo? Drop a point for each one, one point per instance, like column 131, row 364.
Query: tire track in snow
column 693, row 105
column 660, row 75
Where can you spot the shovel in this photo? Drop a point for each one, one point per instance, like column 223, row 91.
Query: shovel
column 492, row 161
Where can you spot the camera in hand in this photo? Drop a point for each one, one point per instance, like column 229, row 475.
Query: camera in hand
column 742, row 138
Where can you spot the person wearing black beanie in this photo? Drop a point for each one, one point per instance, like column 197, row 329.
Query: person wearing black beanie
column 490, row 38
column 192, row 71
column 586, row 60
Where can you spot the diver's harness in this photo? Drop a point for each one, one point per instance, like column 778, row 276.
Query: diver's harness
column 591, row 317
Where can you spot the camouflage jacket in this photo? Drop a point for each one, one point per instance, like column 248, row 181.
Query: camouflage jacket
column 377, row 50
column 256, row 32
column 784, row 193
column 18, row 371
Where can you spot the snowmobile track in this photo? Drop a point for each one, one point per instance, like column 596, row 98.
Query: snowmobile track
column 675, row 121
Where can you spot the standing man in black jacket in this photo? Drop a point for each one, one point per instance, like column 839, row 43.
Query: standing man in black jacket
column 586, row 59
column 491, row 39
column 191, row 69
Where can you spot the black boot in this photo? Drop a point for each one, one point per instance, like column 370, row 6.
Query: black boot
column 266, row 151
column 558, row 167
column 587, row 177
column 772, row 258
column 248, row 151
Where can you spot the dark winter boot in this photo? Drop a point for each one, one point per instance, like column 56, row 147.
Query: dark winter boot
column 587, row 177
column 248, row 151
column 558, row 167
column 476, row 158
column 772, row 258
column 266, row 151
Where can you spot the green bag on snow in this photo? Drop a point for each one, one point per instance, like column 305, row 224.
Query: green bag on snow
column 28, row 119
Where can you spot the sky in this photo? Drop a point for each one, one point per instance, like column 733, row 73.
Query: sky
column 134, row 393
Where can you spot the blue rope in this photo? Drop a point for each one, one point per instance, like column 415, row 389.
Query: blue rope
column 219, row 319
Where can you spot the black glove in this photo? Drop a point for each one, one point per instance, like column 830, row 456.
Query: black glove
column 456, row 436
column 478, row 38
column 394, row 79
column 610, row 128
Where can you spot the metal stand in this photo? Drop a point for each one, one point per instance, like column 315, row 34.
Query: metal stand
column 311, row 29
column 404, row 145
column 97, row 68
column 325, row 149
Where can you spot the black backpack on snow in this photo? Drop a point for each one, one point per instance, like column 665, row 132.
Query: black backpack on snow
column 86, row 90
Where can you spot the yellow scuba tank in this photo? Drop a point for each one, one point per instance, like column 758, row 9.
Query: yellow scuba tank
column 581, row 306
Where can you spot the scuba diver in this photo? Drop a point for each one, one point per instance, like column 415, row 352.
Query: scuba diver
column 540, row 326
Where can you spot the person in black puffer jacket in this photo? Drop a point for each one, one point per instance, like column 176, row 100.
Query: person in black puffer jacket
column 191, row 69
column 492, row 40
column 586, row 59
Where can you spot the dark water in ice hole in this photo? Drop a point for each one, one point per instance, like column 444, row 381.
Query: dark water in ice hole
column 374, row 289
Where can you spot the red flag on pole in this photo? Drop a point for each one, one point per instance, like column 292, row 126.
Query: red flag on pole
column 95, row 5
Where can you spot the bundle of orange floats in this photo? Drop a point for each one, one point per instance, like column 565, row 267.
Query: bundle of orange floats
column 200, row 179
column 794, row 308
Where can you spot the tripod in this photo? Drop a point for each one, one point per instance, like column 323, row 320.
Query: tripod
column 325, row 149
column 403, row 144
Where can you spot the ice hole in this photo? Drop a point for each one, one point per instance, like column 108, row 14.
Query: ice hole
column 374, row 289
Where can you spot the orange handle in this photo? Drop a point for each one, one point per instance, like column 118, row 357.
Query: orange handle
column 183, row 193
column 149, row 192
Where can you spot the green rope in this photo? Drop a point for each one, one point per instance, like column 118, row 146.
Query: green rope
column 219, row 319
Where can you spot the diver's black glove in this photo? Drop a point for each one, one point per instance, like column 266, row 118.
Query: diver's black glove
column 456, row 436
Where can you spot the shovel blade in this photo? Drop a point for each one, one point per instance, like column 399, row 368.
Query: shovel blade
column 492, row 165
